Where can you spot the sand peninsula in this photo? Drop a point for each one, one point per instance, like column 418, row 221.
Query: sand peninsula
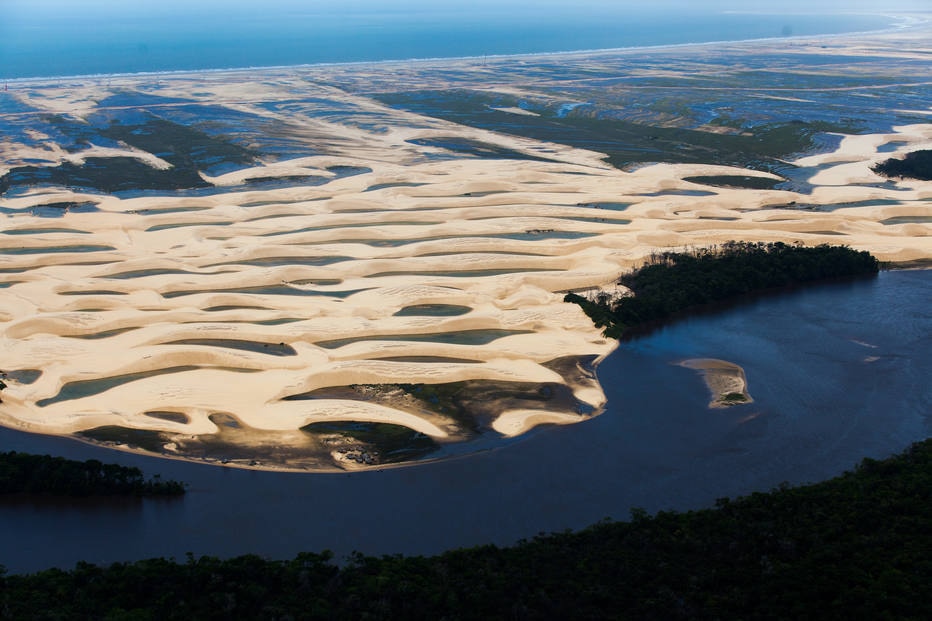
column 341, row 267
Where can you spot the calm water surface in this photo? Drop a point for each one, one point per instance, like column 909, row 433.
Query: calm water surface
column 61, row 38
column 838, row 373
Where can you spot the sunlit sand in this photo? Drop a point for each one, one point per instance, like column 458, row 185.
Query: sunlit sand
column 725, row 380
column 181, row 313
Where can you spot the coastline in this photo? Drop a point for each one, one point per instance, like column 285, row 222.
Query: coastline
column 910, row 20
column 192, row 300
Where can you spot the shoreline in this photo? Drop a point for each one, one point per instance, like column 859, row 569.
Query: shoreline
column 909, row 20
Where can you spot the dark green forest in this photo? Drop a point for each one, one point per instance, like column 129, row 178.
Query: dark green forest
column 22, row 473
column 915, row 165
column 855, row 547
column 674, row 282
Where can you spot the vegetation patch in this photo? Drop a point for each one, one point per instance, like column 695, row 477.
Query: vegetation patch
column 21, row 473
column 107, row 174
column 475, row 148
column 186, row 148
column 148, row 440
column 762, row 147
column 182, row 146
column 465, row 408
column 372, row 443
column 671, row 283
column 915, row 165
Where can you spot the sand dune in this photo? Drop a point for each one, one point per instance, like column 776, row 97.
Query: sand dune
column 411, row 271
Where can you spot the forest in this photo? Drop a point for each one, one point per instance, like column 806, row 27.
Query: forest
column 670, row 283
column 914, row 165
column 856, row 546
column 23, row 473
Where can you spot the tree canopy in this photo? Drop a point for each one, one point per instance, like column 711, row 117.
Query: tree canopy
column 914, row 165
column 22, row 473
column 857, row 546
column 674, row 282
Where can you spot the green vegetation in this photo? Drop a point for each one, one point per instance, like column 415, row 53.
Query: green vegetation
column 146, row 439
column 915, row 165
column 187, row 149
column 671, row 283
column 735, row 181
column 373, row 443
column 759, row 147
column 22, row 473
column 107, row 174
column 183, row 146
column 475, row 148
column 469, row 406
column 857, row 546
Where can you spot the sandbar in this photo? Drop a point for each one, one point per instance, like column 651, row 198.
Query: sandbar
column 725, row 380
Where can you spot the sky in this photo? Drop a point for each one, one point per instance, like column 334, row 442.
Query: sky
column 21, row 12
column 331, row 6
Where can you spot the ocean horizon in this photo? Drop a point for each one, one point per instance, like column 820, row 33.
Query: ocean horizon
column 72, row 43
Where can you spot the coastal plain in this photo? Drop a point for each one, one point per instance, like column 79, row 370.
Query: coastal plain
column 343, row 267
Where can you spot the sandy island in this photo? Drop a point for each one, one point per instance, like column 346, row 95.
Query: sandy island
column 194, row 316
column 725, row 380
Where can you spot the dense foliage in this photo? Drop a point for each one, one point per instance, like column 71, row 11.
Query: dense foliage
column 857, row 546
column 42, row 474
column 672, row 282
column 915, row 165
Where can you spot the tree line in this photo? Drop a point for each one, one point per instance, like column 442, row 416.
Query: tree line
column 914, row 165
column 673, row 282
column 23, row 473
column 857, row 546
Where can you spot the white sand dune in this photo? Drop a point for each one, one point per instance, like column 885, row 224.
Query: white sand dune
column 254, row 296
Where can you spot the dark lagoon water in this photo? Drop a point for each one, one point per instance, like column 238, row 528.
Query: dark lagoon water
column 41, row 38
column 838, row 373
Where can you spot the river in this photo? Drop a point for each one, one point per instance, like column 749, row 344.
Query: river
column 837, row 373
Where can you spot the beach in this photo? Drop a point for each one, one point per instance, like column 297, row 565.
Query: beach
column 230, row 316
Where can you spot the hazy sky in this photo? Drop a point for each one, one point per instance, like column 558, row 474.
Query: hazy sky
column 124, row 7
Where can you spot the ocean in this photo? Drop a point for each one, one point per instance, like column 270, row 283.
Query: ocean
column 49, row 38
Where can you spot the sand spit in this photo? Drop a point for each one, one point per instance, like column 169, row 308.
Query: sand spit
column 357, row 307
column 725, row 380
